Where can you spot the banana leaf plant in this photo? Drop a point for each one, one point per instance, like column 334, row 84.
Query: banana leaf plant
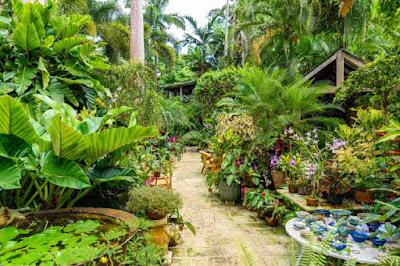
column 48, row 54
column 51, row 163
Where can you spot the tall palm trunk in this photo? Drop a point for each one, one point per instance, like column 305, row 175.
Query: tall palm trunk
column 155, row 70
column 226, row 28
column 137, row 32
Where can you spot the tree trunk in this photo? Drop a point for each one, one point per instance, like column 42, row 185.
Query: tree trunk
column 226, row 28
column 245, row 48
column 155, row 71
column 137, row 32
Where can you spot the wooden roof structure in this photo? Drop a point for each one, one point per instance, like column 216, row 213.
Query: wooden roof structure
column 182, row 89
column 336, row 69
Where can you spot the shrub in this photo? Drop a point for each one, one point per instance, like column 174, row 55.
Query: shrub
column 158, row 200
column 131, row 85
column 192, row 138
column 48, row 54
column 213, row 86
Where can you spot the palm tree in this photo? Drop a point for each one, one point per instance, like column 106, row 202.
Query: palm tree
column 279, row 100
column 226, row 28
column 137, row 32
column 159, row 22
column 202, row 38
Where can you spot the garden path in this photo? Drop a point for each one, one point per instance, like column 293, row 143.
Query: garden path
column 221, row 229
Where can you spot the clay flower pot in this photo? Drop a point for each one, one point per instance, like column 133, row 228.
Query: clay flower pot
column 271, row 222
column 301, row 191
column 311, row 201
column 292, row 188
column 278, row 179
column 154, row 216
column 364, row 196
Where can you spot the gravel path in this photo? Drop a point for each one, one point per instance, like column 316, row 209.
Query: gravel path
column 221, row 229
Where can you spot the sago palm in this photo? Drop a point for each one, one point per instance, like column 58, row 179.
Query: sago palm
column 277, row 101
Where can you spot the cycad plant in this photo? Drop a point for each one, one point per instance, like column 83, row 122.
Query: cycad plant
column 176, row 115
column 278, row 101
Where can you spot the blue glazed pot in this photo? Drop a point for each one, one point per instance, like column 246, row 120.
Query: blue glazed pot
column 378, row 242
column 358, row 237
column 323, row 212
column 373, row 226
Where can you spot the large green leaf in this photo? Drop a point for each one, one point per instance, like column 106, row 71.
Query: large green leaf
column 15, row 147
column 18, row 8
column 101, row 144
column 67, row 26
column 24, row 78
column 111, row 174
column 30, row 15
column 63, row 172
column 14, row 119
column 107, row 118
column 90, row 125
column 67, row 112
column 10, row 174
column 26, row 38
column 45, row 73
column 67, row 142
column 64, row 45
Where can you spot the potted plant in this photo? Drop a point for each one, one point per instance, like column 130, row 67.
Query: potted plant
column 177, row 218
column 155, row 202
column 258, row 199
column 235, row 166
column 278, row 177
column 275, row 213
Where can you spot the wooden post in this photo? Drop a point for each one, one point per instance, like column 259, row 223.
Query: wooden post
column 339, row 69
column 181, row 93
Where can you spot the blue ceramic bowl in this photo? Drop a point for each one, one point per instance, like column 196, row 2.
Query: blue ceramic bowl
column 338, row 246
column 323, row 212
column 373, row 226
column 358, row 237
column 378, row 242
column 339, row 213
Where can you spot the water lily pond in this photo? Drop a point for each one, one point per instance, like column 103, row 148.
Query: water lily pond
column 45, row 244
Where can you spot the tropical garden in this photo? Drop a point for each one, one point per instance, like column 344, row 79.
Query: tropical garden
column 90, row 136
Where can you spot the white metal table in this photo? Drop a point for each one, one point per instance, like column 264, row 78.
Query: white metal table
column 367, row 255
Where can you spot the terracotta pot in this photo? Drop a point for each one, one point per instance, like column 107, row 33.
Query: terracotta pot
column 271, row 222
column 292, row 188
column 364, row 196
column 248, row 180
column 301, row 191
column 311, row 201
column 154, row 216
column 278, row 178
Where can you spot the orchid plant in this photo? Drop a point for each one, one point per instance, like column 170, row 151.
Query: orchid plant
column 314, row 159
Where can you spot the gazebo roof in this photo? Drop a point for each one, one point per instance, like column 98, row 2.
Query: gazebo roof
column 336, row 68
column 185, row 84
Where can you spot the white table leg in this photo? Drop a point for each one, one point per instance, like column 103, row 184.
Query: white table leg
column 300, row 256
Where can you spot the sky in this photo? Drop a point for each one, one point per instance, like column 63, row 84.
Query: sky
column 198, row 9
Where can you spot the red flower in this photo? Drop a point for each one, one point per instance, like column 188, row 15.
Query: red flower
column 264, row 194
column 328, row 163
